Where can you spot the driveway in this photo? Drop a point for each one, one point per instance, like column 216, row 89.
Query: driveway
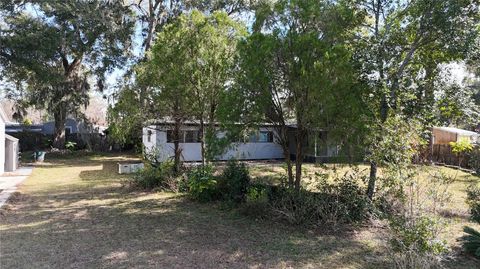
column 9, row 182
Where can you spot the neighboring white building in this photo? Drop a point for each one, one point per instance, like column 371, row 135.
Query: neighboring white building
column 8, row 147
column 3, row 120
column 445, row 135
column 261, row 145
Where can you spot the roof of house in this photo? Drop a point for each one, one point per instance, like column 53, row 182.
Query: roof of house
column 457, row 131
column 11, row 138
column 169, row 121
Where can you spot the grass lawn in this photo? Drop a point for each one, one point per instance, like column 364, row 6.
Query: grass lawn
column 75, row 212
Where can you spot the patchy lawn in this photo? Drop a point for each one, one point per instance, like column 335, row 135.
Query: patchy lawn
column 75, row 213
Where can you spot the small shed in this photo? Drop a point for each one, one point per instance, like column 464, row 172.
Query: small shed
column 445, row 135
column 11, row 153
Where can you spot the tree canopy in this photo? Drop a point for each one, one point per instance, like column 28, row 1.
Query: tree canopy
column 52, row 51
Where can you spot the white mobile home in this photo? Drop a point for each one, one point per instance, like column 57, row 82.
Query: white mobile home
column 260, row 145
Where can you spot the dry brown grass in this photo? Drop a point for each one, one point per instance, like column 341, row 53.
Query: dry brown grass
column 75, row 212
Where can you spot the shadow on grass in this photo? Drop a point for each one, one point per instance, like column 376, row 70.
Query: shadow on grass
column 80, row 217
column 108, row 228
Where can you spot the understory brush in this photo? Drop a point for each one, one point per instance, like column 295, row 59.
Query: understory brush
column 471, row 239
column 160, row 176
column 234, row 182
column 331, row 205
column 202, row 184
column 415, row 223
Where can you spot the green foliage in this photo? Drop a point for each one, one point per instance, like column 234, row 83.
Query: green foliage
column 50, row 55
column 473, row 201
column 413, row 210
column 126, row 117
column 202, row 185
column 462, row 146
column 332, row 204
column 151, row 177
column 475, row 160
column 27, row 122
column 395, row 142
column 189, row 67
column 471, row 241
column 257, row 203
column 234, row 182
column 298, row 65
column 69, row 145
column 420, row 235
column 461, row 149
column 457, row 107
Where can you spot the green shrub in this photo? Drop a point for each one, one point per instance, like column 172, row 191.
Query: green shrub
column 202, row 185
column 471, row 241
column 69, row 145
column 473, row 201
column 342, row 202
column 234, row 182
column 151, row 177
column 419, row 235
column 256, row 202
column 474, row 161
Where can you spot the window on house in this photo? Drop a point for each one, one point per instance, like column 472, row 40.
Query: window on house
column 192, row 137
column 170, row 136
column 149, row 135
column 185, row 137
column 265, row 137
column 260, row 137
column 68, row 131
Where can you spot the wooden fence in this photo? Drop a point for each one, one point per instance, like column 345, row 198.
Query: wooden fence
column 442, row 153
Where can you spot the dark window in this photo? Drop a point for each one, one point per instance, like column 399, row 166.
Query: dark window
column 68, row 131
column 191, row 136
column 265, row 137
column 149, row 135
column 185, row 137
column 169, row 136
column 260, row 137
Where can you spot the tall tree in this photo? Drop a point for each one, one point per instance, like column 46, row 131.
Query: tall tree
column 298, row 57
column 191, row 64
column 52, row 50
column 412, row 37
column 155, row 14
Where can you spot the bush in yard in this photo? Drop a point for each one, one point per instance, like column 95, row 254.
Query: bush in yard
column 416, row 225
column 341, row 202
column 419, row 235
column 473, row 201
column 256, row 201
column 160, row 176
column 475, row 160
column 234, row 182
column 471, row 241
column 202, row 185
column 69, row 145
column 461, row 148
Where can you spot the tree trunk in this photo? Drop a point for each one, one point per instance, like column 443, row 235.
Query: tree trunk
column 202, row 140
column 299, row 155
column 59, row 115
column 372, row 179
column 176, row 145
column 288, row 161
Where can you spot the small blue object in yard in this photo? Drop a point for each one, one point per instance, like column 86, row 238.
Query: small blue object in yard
column 39, row 156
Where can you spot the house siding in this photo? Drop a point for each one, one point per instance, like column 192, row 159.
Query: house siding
column 191, row 152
